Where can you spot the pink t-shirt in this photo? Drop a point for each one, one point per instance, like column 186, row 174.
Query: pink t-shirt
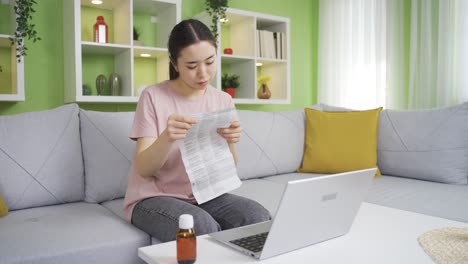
column 156, row 104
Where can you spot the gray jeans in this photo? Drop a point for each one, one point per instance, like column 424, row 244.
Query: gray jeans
column 159, row 216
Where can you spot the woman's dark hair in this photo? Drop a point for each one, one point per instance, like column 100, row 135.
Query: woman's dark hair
column 184, row 34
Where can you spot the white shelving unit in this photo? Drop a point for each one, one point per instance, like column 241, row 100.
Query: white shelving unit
column 240, row 34
column 11, row 71
column 85, row 59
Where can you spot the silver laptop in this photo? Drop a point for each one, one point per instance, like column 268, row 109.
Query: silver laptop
column 310, row 211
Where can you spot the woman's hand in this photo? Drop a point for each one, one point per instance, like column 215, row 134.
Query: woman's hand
column 178, row 125
column 232, row 133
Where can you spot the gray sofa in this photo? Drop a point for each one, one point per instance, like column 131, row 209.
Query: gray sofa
column 64, row 174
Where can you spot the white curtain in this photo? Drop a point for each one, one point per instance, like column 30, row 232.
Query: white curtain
column 352, row 48
column 400, row 54
column 436, row 75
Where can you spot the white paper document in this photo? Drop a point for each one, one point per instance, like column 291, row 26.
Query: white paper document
column 207, row 158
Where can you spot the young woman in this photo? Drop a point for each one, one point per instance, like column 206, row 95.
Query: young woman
column 159, row 190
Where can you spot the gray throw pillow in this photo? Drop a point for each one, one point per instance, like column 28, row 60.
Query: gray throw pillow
column 271, row 143
column 429, row 145
column 107, row 153
column 40, row 158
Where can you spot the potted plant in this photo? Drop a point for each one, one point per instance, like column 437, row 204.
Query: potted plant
column 24, row 9
column 217, row 10
column 229, row 83
column 136, row 37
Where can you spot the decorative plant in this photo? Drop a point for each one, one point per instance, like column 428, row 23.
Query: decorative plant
column 217, row 10
column 263, row 79
column 230, row 81
column 136, row 34
column 24, row 9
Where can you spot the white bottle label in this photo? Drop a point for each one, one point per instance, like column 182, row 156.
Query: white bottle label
column 102, row 34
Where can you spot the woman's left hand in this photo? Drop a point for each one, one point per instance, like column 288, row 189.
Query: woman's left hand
column 232, row 133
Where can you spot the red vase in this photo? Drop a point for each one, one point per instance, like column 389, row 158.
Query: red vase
column 230, row 91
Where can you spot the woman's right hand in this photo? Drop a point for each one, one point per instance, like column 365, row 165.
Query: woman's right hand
column 178, row 125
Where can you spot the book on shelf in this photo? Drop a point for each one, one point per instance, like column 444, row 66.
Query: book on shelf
column 259, row 44
column 271, row 45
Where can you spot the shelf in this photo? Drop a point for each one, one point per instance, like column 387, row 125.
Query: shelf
column 149, row 70
column 11, row 71
column 106, row 99
column 84, row 59
column 97, row 48
column 153, row 52
column 238, row 34
column 151, row 19
column 276, row 69
column 116, row 15
column 234, row 58
column 244, row 68
column 5, row 41
column 241, row 34
column 106, row 64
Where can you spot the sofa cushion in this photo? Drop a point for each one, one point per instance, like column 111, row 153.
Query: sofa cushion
column 40, row 158
column 266, row 137
column 116, row 206
column 267, row 193
column 430, row 145
column 431, row 198
column 107, row 153
column 70, row 233
column 340, row 141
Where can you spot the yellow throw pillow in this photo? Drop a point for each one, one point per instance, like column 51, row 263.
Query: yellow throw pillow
column 340, row 141
column 3, row 207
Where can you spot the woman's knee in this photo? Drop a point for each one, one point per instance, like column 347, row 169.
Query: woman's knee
column 205, row 223
column 246, row 212
column 255, row 213
column 159, row 217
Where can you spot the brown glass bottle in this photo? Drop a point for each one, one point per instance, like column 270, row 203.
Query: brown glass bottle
column 186, row 240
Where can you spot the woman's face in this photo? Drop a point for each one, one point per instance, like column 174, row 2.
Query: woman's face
column 197, row 65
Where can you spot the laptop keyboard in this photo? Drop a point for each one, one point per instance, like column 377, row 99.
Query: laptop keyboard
column 253, row 243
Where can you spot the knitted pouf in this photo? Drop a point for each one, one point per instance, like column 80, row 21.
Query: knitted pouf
column 446, row 245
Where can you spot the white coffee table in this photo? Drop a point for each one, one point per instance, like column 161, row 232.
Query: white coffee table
column 379, row 235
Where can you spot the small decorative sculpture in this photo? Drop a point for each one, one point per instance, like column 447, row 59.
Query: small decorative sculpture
column 101, row 84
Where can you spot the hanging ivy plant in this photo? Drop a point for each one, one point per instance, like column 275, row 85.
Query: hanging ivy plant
column 24, row 9
column 216, row 9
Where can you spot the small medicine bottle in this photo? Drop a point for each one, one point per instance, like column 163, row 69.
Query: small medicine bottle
column 186, row 240
column 100, row 30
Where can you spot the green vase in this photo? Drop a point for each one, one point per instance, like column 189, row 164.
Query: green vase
column 101, row 84
column 115, row 84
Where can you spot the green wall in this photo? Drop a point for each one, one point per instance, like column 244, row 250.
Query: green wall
column 44, row 76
